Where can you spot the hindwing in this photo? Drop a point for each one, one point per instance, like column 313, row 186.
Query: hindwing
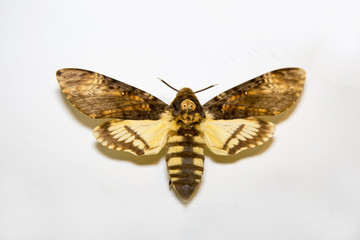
column 266, row 95
column 139, row 137
column 228, row 137
column 99, row 96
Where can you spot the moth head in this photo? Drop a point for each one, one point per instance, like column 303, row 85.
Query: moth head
column 186, row 107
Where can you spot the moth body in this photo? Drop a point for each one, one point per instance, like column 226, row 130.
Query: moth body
column 185, row 145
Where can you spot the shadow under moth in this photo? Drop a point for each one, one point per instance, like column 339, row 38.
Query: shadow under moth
column 143, row 124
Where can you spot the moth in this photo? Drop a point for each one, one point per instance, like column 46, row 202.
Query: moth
column 143, row 124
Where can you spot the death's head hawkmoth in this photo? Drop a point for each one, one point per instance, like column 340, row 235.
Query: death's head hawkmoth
column 142, row 124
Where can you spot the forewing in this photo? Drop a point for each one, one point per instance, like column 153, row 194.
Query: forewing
column 266, row 95
column 228, row 137
column 102, row 97
column 139, row 137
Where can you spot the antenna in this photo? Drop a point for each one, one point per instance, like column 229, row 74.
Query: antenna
column 168, row 85
column 205, row 88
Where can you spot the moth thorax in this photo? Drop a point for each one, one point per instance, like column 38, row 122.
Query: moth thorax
column 186, row 108
column 188, row 116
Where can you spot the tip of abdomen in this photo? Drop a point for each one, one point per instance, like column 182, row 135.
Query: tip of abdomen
column 185, row 190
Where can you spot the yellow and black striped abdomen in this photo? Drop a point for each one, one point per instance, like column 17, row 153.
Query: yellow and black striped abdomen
column 185, row 161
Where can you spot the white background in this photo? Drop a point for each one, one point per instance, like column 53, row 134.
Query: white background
column 56, row 182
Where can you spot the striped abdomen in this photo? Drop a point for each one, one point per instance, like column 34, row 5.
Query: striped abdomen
column 185, row 160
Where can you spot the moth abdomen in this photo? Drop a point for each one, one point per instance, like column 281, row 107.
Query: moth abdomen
column 185, row 163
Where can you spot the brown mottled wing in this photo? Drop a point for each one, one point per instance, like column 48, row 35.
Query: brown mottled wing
column 102, row 97
column 266, row 95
